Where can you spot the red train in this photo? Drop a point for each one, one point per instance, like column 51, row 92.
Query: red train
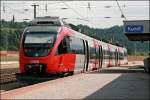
column 48, row 46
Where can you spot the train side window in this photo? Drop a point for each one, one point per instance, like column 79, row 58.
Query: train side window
column 76, row 45
column 97, row 53
column 64, row 46
column 93, row 53
column 104, row 54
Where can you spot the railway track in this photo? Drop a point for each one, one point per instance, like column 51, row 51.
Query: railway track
column 8, row 80
column 8, row 75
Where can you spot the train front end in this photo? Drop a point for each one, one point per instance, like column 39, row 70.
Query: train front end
column 35, row 48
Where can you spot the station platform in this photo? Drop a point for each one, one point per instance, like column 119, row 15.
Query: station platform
column 109, row 83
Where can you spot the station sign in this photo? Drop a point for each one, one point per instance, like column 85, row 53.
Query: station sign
column 134, row 28
column 137, row 30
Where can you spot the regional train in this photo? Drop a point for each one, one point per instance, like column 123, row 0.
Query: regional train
column 49, row 46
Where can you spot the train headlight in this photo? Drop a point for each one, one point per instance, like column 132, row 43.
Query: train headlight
column 29, row 66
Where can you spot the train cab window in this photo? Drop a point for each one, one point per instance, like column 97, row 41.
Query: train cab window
column 64, row 46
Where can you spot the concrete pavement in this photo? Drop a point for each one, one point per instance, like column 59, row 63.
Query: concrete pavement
column 94, row 85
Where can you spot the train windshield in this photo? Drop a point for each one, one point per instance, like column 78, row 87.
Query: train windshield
column 40, row 37
column 38, row 41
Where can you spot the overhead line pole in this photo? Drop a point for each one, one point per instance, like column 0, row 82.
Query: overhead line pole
column 34, row 5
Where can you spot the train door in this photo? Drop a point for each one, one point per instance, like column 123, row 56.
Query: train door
column 77, row 48
column 86, row 63
column 116, row 58
column 104, row 58
column 65, row 65
column 85, row 53
column 109, row 52
column 100, row 57
column 97, row 57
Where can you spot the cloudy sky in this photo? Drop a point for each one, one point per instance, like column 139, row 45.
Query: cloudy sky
column 98, row 14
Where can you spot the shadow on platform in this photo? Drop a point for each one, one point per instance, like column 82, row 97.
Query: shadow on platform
column 122, row 69
column 128, row 86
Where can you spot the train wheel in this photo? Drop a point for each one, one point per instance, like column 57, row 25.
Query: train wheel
column 61, row 74
column 71, row 73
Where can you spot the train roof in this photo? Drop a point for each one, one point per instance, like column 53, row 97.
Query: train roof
column 43, row 29
column 48, row 20
column 57, row 22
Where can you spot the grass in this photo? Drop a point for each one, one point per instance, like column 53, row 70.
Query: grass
column 9, row 58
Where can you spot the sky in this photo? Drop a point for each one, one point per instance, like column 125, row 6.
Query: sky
column 97, row 14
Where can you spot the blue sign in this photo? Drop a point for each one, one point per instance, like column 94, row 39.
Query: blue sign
column 134, row 28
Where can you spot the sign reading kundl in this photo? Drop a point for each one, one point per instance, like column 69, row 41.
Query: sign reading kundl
column 134, row 28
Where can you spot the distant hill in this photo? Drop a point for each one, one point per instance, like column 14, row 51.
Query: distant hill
column 116, row 35
column 10, row 33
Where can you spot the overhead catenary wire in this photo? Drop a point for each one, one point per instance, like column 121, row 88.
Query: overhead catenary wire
column 81, row 16
column 18, row 11
column 33, row 2
column 6, row 2
column 122, row 14
column 84, row 17
column 74, row 10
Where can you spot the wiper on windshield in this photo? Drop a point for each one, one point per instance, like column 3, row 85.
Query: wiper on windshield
column 49, row 41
